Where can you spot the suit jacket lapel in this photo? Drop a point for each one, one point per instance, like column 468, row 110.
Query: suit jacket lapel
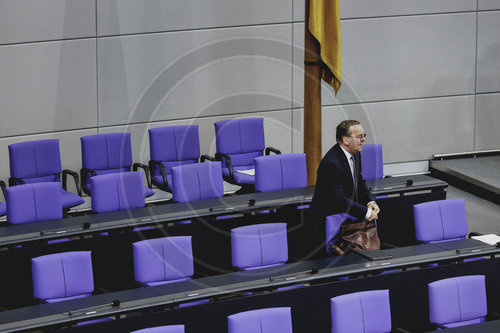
column 345, row 165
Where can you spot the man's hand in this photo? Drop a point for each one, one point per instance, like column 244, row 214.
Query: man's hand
column 373, row 216
column 374, row 207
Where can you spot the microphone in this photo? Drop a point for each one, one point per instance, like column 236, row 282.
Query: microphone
column 94, row 309
column 84, row 226
column 407, row 183
column 250, row 202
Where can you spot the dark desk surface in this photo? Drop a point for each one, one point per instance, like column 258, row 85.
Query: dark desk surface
column 486, row 327
column 167, row 295
column 401, row 185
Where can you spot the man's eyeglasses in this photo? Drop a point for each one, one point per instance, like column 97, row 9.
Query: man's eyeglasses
column 359, row 136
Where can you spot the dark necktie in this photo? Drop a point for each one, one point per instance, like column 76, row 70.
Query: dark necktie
column 355, row 178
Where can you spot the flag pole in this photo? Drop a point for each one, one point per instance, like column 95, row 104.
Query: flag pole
column 312, row 101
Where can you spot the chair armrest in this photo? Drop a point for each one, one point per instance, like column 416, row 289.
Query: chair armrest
column 203, row 158
column 146, row 172
column 2, row 186
column 76, row 178
column 83, row 178
column 220, row 156
column 271, row 149
column 163, row 172
column 15, row 181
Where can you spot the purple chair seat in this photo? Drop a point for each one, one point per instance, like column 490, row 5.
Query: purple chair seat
column 70, row 199
column 162, row 329
column 440, row 220
column 372, row 161
column 332, row 224
column 146, row 190
column 458, row 301
column 240, row 178
column 33, row 203
column 117, row 191
column 366, row 311
column 259, row 245
column 197, row 181
column 280, row 172
column 163, row 260
column 269, row 320
column 62, row 276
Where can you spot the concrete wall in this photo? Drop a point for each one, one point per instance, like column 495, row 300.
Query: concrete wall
column 423, row 76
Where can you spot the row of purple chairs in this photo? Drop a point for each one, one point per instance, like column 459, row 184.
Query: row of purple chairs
column 35, row 202
column 69, row 275
column 239, row 141
column 453, row 302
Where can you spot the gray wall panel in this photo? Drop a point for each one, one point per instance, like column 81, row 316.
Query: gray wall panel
column 488, row 121
column 370, row 8
column 138, row 16
column 211, row 72
column 488, row 52
column 69, row 146
column 489, row 4
column 47, row 87
column 277, row 129
column 401, row 57
column 411, row 130
column 40, row 20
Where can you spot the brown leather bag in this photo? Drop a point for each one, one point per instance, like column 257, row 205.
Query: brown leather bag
column 356, row 236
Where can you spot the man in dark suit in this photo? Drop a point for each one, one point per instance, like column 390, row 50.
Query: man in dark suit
column 340, row 188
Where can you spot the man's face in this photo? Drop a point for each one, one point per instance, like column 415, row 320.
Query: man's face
column 356, row 139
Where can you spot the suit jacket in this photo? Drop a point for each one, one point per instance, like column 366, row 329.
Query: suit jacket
column 334, row 191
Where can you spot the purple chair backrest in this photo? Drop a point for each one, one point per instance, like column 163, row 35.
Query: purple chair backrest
column 163, row 259
column 34, row 202
column 458, row 301
column 365, row 311
column 259, row 245
column 174, row 145
column 372, row 163
column 117, row 191
column 333, row 223
column 197, row 181
column 162, row 329
column 60, row 276
column 35, row 161
column 280, row 172
column 269, row 320
column 112, row 151
column 241, row 139
column 440, row 220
